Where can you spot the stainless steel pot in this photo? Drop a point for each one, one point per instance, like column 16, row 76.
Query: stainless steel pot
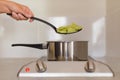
column 63, row 50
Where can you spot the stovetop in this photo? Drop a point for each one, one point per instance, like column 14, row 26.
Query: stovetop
column 44, row 69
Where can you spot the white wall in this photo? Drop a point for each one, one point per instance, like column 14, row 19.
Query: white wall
column 89, row 13
column 113, row 28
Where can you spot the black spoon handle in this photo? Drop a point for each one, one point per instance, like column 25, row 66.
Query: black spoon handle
column 38, row 46
column 41, row 20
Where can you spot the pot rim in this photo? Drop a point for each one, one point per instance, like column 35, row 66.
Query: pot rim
column 67, row 41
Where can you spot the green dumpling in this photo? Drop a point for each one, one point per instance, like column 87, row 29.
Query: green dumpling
column 62, row 29
column 69, row 28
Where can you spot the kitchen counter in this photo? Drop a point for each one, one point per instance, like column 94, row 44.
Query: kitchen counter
column 9, row 68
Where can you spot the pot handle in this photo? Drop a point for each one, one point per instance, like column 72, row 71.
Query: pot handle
column 38, row 46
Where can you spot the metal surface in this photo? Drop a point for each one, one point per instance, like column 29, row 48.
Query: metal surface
column 40, row 66
column 90, row 66
column 65, row 69
column 67, row 50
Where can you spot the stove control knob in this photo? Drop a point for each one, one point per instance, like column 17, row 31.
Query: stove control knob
column 90, row 66
column 40, row 66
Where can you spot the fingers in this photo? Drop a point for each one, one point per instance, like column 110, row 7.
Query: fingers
column 23, row 14
column 19, row 11
column 27, row 12
column 18, row 16
column 21, row 17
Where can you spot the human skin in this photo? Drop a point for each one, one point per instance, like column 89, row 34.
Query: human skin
column 17, row 11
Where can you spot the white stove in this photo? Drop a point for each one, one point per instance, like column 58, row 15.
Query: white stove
column 44, row 69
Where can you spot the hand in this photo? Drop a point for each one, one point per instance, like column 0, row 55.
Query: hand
column 17, row 11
